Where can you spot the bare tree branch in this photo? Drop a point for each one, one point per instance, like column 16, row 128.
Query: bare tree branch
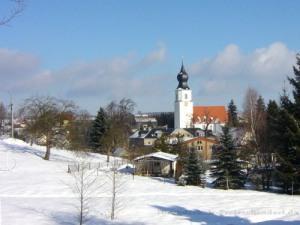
column 19, row 6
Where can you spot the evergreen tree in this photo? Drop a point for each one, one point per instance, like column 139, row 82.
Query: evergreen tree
column 263, row 165
column 260, row 105
column 99, row 127
column 285, row 102
column 227, row 169
column 164, row 119
column 193, row 169
column 260, row 125
column 272, row 115
column 294, row 109
column 161, row 144
column 232, row 114
column 180, row 149
column 287, row 141
column 295, row 82
column 284, row 136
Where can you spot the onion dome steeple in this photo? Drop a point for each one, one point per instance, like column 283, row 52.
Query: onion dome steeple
column 182, row 78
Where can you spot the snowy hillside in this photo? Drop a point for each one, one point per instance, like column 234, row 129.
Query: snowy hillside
column 37, row 192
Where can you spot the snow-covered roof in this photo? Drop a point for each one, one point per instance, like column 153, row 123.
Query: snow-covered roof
column 139, row 134
column 159, row 155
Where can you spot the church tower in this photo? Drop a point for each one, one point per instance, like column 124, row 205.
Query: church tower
column 183, row 101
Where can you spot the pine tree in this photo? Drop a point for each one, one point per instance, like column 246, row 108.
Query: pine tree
column 272, row 116
column 98, row 129
column 260, row 105
column 285, row 102
column 161, row 144
column 192, row 169
column 284, row 136
column 227, row 169
column 232, row 114
column 260, row 125
column 264, row 163
column 287, row 140
column 295, row 82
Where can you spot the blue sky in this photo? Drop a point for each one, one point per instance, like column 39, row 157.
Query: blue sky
column 95, row 51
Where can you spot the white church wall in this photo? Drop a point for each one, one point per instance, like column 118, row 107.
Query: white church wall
column 183, row 108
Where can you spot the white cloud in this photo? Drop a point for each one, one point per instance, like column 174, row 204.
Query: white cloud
column 157, row 55
column 93, row 83
column 87, row 82
column 273, row 61
column 231, row 71
column 103, row 80
column 20, row 72
column 12, row 63
column 226, row 63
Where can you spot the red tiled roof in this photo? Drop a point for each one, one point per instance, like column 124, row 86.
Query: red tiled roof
column 217, row 112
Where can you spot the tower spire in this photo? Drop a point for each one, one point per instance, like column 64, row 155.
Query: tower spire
column 182, row 77
column 183, row 112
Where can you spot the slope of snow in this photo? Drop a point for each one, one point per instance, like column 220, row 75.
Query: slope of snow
column 35, row 191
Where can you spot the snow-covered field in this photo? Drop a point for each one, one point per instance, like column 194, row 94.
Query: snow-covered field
column 37, row 192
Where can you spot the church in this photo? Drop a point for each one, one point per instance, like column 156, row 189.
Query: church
column 186, row 115
column 198, row 126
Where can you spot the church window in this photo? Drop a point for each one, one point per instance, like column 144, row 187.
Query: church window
column 186, row 96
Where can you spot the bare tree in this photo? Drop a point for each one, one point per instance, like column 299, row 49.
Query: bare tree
column 3, row 114
column 83, row 187
column 116, row 185
column 46, row 118
column 17, row 8
column 119, row 121
column 249, row 113
column 78, row 131
column 207, row 120
column 255, row 119
column 255, row 124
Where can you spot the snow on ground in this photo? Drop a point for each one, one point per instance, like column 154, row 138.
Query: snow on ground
column 35, row 191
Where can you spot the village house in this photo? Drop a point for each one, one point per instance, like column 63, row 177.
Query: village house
column 197, row 127
column 204, row 146
column 156, row 164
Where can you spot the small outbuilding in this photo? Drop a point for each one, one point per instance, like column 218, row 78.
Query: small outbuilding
column 156, row 164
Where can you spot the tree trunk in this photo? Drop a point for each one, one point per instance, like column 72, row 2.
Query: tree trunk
column 109, row 150
column 206, row 153
column 47, row 155
column 227, row 181
column 178, row 169
column 81, row 212
column 107, row 156
column 113, row 202
column 81, row 196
